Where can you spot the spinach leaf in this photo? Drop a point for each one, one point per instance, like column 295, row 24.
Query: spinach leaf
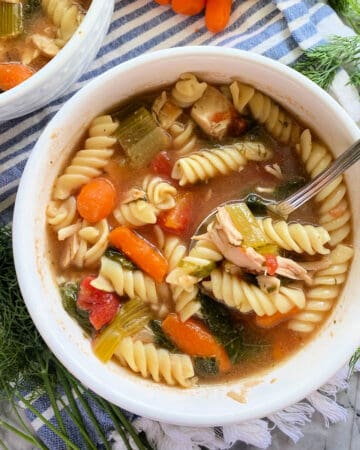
column 205, row 366
column 256, row 204
column 289, row 187
column 69, row 293
column 119, row 257
column 161, row 338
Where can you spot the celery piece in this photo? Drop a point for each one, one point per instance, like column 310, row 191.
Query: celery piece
column 269, row 249
column 11, row 19
column 197, row 270
column 130, row 319
column 245, row 222
column 140, row 137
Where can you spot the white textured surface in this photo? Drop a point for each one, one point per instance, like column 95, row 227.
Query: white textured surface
column 57, row 76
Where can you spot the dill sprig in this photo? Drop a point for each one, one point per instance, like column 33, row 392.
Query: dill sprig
column 26, row 363
column 322, row 62
column 349, row 10
column 352, row 363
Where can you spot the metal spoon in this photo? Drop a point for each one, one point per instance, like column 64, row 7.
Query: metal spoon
column 290, row 204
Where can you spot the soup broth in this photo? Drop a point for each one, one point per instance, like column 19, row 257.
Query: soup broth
column 234, row 300
column 31, row 35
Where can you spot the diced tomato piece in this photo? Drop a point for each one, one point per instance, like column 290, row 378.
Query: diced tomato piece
column 271, row 264
column 102, row 306
column 161, row 164
column 177, row 219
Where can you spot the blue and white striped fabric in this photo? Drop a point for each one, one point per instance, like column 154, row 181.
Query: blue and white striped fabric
column 279, row 29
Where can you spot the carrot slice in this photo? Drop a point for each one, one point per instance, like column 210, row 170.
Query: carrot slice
column 96, row 199
column 217, row 14
column 194, row 338
column 140, row 251
column 188, row 7
column 12, row 74
column 275, row 319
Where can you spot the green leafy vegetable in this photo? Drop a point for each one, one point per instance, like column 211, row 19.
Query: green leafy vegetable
column 352, row 363
column 218, row 319
column 161, row 338
column 349, row 10
column 130, row 319
column 321, row 63
column 205, row 367
column 119, row 257
column 140, row 137
column 69, row 293
column 27, row 363
column 11, row 19
column 256, row 204
column 289, row 187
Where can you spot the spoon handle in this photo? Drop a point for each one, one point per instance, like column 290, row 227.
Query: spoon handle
column 342, row 162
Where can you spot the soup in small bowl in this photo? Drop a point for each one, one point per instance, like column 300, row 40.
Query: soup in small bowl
column 219, row 322
column 45, row 46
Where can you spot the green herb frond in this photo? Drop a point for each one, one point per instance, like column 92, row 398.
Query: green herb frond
column 352, row 363
column 322, row 62
column 349, row 10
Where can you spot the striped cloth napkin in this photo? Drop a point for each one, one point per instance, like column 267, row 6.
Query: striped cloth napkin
column 279, row 29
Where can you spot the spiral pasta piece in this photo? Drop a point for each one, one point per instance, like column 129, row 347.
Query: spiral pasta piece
column 159, row 193
column 187, row 90
column 327, row 284
column 61, row 213
column 157, row 363
column 86, row 245
column 171, row 247
column 88, row 162
column 245, row 297
column 130, row 283
column 65, row 15
column 136, row 213
column 205, row 164
column 267, row 112
column 296, row 237
column 184, row 137
column 334, row 213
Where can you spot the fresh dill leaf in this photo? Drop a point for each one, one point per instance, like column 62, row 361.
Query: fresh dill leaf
column 352, row 363
column 322, row 62
column 349, row 10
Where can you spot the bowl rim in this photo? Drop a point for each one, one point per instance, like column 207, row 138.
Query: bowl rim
column 62, row 59
column 21, row 236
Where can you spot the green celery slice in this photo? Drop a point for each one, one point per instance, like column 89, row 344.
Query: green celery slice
column 11, row 19
column 131, row 318
column 246, row 223
column 140, row 137
column 197, row 270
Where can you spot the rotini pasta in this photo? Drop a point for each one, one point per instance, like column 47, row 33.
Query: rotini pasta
column 66, row 16
column 130, row 283
column 61, row 214
column 327, row 284
column 171, row 246
column 86, row 245
column 334, row 214
column 205, row 164
column 157, row 363
column 136, row 213
column 187, row 90
column 159, row 193
column 276, row 120
column 245, row 297
column 296, row 237
column 89, row 162
column 184, row 137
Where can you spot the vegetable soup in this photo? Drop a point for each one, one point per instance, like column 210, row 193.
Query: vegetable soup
column 32, row 32
column 237, row 298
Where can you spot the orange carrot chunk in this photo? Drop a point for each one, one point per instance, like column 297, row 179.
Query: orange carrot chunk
column 275, row 319
column 12, row 74
column 217, row 14
column 194, row 338
column 96, row 199
column 140, row 251
column 188, row 7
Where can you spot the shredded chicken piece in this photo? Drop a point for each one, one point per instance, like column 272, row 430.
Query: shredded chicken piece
column 291, row 269
column 226, row 224
column 264, row 190
column 46, row 45
column 134, row 194
column 274, row 169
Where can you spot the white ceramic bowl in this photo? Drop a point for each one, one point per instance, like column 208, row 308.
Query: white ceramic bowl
column 58, row 74
column 204, row 405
